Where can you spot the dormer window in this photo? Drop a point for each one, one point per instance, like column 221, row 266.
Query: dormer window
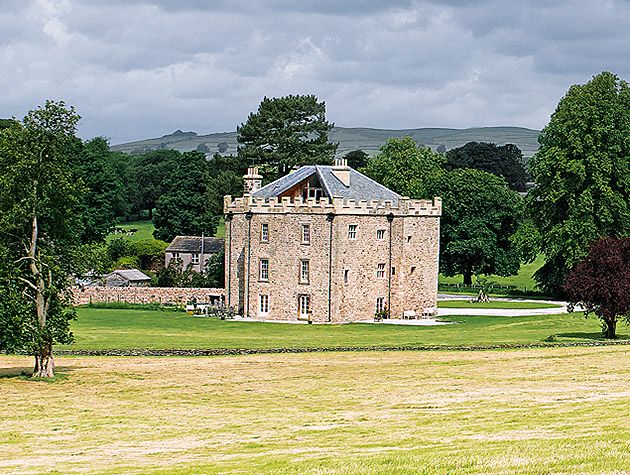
column 312, row 192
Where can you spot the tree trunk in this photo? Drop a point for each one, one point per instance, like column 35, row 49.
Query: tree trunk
column 151, row 212
column 611, row 327
column 467, row 277
column 44, row 362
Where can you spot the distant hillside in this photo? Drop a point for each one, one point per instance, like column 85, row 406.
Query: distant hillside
column 369, row 140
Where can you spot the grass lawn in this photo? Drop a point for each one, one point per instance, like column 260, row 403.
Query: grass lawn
column 523, row 280
column 107, row 329
column 558, row 410
column 499, row 304
column 144, row 228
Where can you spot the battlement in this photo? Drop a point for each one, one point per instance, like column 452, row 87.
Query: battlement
column 261, row 205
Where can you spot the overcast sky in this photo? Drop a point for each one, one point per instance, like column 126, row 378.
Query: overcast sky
column 136, row 69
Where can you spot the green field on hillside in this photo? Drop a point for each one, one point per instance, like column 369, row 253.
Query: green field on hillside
column 143, row 230
column 535, row 411
column 98, row 328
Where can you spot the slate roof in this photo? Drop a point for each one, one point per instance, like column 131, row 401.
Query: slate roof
column 192, row 244
column 361, row 187
column 132, row 275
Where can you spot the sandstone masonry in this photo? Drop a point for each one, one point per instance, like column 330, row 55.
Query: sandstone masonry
column 329, row 258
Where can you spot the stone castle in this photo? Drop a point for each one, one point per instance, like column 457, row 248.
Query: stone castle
column 328, row 244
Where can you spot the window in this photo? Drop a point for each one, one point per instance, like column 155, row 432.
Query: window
column 176, row 256
column 345, row 276
column 393, row 270
column 408, row 238
column 304, row 271
column 263, row 304
column 380, row 271
column 306, row 234
column 352, row 231
column 413, row 269
column 195, row 259
column 380, row 304
column 264, row 232
column 304, row 306
column 380, row 234
column 264, row 269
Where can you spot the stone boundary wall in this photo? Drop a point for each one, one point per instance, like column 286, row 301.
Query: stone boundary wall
column 258, row 204
column 161, row 295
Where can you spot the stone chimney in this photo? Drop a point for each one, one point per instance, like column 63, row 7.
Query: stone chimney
column 252, row 181
column 342, row 171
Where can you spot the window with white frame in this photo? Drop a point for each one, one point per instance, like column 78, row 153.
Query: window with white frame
column 380, row 304
column 352, row 231
column 304, row 271
column 264, row 232
column 263, row 304
column 195, row 259
column 306, row 234
column 176, row 256
column 380, row 271
column 380, row 234
column 304, row 306
column 264, row 269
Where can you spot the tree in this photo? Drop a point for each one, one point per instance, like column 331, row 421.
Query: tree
column 582, row 175
column 480, row 214
column 356, row 159
column 601, row 283
column 225, row 178
column 405, row 168
column 40, row 222
column 107, row 195
column 151, row 170
column 286, row 132
column 505, row 161
column 182, row 209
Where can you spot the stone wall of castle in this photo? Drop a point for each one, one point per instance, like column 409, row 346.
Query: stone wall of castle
column 394, row 256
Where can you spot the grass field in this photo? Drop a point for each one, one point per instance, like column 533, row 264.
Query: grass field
column 144, row 228
column 523, row 281
column 107, row 329
column 498, row 304
column 560, row 410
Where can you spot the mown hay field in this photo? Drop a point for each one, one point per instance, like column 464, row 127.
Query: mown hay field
column 552, row 410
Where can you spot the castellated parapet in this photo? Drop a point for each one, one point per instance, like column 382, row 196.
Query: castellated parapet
column 330, row 259
column 337, row 205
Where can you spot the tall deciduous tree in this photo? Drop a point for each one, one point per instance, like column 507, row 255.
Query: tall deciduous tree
column 107, row 195
column 151, row 170
column 582, row 175
column 286, row 132
column 40, row 223
column 356, row 159
column 505, row 161
column 601, row 283
column 183, row 209
column 405, row 168
column 480, row 214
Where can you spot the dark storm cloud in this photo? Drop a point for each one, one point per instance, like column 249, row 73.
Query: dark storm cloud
column 140, row 68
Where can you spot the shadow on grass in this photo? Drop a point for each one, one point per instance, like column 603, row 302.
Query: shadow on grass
column 591, row 336
column 24, row 373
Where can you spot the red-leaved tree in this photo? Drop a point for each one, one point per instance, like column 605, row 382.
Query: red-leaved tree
column 601, row 283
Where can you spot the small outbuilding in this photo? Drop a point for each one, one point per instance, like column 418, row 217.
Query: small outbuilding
column 127, row 278
column 193, row 251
